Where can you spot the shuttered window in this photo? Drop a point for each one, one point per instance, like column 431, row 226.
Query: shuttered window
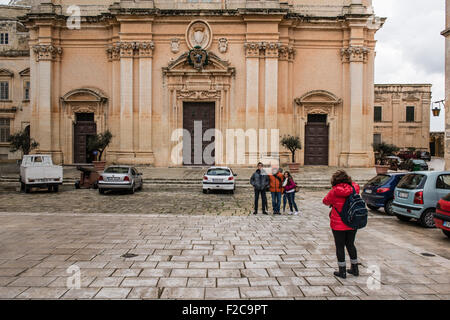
column 410, row 114
column 26, row 90
column 378, row 115
column 4, row 90
column 4, row 38
column 4, row 130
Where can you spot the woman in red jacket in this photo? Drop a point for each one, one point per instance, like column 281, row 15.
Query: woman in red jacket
column 344, row 237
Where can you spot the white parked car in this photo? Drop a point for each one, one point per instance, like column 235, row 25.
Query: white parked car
column 219, row 178
column 120, row 178
column 38, row 171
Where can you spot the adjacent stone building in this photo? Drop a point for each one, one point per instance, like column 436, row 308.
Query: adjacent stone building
column 15, row 110
column 446, row 34
column 145, row 68
column 402, row 115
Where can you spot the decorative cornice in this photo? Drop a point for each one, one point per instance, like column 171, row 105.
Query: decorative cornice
column 15, row 53
column 198, row 94
column 355, row 54
column 46, row 52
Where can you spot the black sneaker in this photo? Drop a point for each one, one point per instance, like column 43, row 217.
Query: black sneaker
column 265, row 213
column 255, row 213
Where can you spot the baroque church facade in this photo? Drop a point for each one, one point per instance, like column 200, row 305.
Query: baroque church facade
column 144, row 69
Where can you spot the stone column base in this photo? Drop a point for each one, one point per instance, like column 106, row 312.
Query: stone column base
column 356, row 160
column 131, row 158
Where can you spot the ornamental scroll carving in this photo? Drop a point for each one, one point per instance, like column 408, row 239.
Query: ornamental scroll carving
column 286, row 53
column 46, row 52
column 257, row 49
column 130, row 50
column 355, row 54
column 198, row 94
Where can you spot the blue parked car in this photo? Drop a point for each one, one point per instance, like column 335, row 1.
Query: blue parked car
column 379, row 191
column 417, row 195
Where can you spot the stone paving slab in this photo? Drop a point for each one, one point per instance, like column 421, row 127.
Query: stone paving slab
column 183, row 256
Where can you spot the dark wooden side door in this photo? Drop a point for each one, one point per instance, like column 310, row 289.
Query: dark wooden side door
column 316, row 144
column 204, row 114
column 82, row 130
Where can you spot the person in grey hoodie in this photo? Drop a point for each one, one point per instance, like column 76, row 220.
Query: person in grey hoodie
column 260, row 181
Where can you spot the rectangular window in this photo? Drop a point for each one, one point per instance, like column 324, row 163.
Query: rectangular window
column 443, row 182
column 4, row 38
column 410, row 114
column 4, row 130
column 377, row 138
column 4, row 90
column 26, row 91
column 378, row 114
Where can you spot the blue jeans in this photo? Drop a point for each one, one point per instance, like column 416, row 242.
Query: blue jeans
column 291, row 199
column 284, row 201
column 276, row 201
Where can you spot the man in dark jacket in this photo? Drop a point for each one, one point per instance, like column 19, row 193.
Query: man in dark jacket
column 260, row 181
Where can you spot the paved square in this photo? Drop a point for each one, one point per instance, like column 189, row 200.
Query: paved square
column 205, row 256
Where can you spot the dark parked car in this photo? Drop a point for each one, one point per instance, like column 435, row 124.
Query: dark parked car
column 379, row 191
column 414, row 165
column 442, row 215
column 424, row 155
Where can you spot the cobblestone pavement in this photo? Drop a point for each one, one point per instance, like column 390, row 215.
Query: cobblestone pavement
column 209, row 256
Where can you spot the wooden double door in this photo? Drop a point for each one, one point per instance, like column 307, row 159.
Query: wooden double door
column 198, row 117
column 84, row 128
column 316, row 141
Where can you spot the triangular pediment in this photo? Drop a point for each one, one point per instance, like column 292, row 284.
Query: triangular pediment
column 6, row 73
column 25, row 72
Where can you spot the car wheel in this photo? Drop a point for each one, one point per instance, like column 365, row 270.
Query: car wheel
column 403, row 218
column 55, row 188
column 22, row 186
column 101, row 191
column 77, row 185
column 132, row 189
column 27, row 189
column 427, row 219
column 388, row 207
column 373, row 207
column 205, row 191
column 446, row 232
column 232, row 191
column 50, row 188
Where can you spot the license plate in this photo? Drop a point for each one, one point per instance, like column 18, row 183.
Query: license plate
column 43, row 180
column 403, row 195
column 114, row 179
column 217, row 180
column 446, row 224
column 368, row 191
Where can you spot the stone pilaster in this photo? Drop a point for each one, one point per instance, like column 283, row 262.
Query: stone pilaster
column 45, row 55
column 356, row 153
column 252, row 54
column 145, row 54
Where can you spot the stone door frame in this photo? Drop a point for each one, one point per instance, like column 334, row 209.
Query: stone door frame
column 320, row 102
column 85, row 100
column 213, row 83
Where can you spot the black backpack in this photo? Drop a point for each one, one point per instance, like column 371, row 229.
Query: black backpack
column 354, row 212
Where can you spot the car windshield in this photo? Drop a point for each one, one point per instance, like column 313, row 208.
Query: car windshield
column 118, row 170
column 218, row 172
column 379, row 180
column 411, row 181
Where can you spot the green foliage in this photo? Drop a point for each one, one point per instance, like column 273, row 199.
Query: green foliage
column 384, row 150
column 292, row 144
column 99, row 143
column 21, row 141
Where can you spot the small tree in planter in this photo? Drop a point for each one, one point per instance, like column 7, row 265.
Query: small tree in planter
column 21, row 141
column 99, row 143
column 383, row 150
column 292, row 143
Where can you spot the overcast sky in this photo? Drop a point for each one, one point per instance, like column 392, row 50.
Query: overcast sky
column 410, row 48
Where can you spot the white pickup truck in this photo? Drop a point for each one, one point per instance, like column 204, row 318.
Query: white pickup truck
column 38, row 171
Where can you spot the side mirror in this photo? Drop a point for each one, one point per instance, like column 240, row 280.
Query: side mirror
column 235, row 174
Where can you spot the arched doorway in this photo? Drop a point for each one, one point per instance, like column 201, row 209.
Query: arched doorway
column 84, row 114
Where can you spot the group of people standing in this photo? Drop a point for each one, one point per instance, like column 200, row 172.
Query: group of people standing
column 281, row 186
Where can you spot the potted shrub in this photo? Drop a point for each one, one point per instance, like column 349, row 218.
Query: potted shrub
column 292, row 143
column 97, row 145
column 21, row 141
column 383, row 150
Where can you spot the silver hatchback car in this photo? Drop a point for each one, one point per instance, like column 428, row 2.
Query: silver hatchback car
column 417, row 195
column 120, row 178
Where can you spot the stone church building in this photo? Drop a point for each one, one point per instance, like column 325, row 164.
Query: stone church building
column 145, row 68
